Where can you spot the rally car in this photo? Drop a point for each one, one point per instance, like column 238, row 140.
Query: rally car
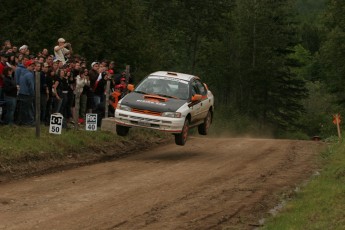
column 167, row 101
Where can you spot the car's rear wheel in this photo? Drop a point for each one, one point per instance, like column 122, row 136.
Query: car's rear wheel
column 203, row 128
column 122, row 130
column 181, row 138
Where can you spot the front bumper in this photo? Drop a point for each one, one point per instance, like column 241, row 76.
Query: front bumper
column 132, row 119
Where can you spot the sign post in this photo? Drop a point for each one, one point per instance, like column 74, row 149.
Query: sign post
column 336, row 121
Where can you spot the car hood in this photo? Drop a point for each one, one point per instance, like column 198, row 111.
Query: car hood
column 152, row 102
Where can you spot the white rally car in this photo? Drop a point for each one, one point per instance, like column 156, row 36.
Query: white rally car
column 167, row 101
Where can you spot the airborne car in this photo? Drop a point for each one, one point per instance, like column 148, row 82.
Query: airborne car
column 167, row 101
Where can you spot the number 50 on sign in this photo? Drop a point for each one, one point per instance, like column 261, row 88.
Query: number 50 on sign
column 55, row 123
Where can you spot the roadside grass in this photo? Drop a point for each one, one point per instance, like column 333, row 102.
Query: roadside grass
column 20, row 144
column 321, row 203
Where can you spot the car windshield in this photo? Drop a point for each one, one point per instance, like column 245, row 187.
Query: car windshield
column 164, row 86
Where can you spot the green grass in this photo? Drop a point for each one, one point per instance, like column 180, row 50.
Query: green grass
column 21, row 144
column 321, row 203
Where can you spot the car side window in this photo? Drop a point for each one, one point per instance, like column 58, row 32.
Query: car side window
column 200, row 88
column 195, row 89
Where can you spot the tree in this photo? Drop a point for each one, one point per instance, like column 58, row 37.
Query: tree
column 332, row 52
column 270, row 91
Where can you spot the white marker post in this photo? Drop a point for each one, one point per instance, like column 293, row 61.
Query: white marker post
column 91, row 122
column 56, row 120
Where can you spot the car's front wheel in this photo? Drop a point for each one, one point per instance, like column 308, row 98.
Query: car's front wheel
column 181, row 138
column 203, row 128
column 122, row 130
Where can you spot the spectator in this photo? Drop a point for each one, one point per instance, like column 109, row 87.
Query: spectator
column 50, row 81
column 76, row 69
column 82, row 88
column 71, row 97
column 15, row 49
column 10, row 95
column 61, row 51
column 43, row 89
column 41, row 60
column 93, row 76
column 99, row 89
column 123, row 87
column 21, row 69
column 50, row 60
column 115, row 96
column 112, row 66
column 7, row 44
column 24, row 50
column 11, row 57
column 93, row 73
column 56, row 91
column 64, row 82
column 26, row 95
column 55, row 65
column 45, row 53
column 2, row 67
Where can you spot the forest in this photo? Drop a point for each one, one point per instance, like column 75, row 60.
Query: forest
column 274, row 66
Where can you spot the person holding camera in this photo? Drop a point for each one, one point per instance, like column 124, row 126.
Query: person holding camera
column 61, row 50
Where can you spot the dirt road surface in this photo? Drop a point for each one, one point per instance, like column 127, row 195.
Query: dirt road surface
column 209, row 183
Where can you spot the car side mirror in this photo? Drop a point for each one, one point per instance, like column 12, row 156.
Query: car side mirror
column 130, row 87
column 196, row 97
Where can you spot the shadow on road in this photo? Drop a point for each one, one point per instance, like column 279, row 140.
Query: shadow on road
column 173, row 156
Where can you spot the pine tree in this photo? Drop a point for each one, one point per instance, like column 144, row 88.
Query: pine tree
column 271, row 92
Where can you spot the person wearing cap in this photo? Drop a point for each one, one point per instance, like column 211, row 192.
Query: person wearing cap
column 23, row 49
column 26, row 95
column 93, row 76
column 60, row 51
column 99, row 88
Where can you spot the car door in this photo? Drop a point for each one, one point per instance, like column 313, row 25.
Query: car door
column 205, row 102
column 196, row 107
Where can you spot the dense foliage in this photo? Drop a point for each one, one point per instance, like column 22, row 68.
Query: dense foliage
column 264, row 60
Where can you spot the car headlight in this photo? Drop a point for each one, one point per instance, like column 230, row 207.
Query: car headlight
column 171, row 114
column 123, row 107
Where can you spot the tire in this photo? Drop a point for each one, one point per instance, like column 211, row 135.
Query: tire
column 122, row 130
column 181, row 138
column 203, row 128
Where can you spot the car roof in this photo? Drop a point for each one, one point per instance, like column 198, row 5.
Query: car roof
column 182, row 76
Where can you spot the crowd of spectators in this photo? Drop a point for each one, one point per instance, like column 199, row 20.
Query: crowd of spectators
column 66, row 80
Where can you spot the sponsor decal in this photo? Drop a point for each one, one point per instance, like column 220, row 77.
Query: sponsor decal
column 154, row 102
column 169, row 78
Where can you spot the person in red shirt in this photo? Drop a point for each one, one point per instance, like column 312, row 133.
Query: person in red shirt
column 2, row 66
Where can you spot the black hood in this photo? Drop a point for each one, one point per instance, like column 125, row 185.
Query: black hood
column 152, row 102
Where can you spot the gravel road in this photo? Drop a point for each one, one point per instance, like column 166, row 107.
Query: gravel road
column 210, row 183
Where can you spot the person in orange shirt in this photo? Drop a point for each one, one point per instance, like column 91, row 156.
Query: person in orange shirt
column 115, row 96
